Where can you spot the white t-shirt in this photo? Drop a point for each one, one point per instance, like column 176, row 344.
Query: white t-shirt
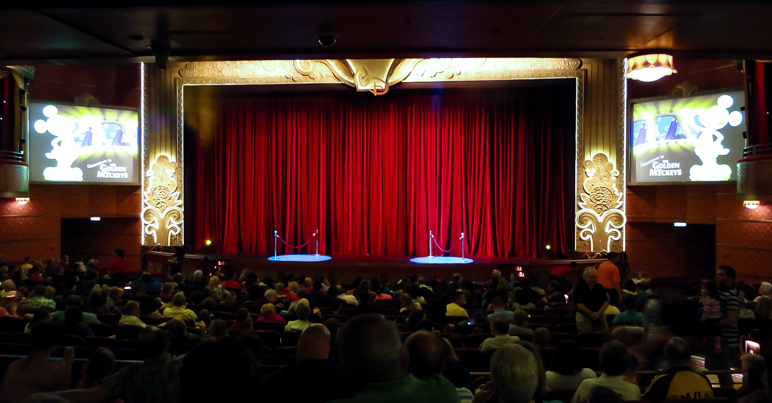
column 560, row 381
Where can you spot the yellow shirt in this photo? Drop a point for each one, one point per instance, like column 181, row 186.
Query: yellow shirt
column 180, row 312
column 454, row 309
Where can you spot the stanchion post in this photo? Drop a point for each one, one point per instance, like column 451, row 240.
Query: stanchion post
column 462, row 247
column 275, row 235
column 430, row 244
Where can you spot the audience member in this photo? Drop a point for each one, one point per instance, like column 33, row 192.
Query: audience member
column 303, row 312
column 100, row 364
column 180, row 341
column 73, row 323
column 567, row 369
column 520, row 325
column 554, row 297
column 428, row 357
column 407, row 304
column 602, row 394
column 456, row 308
column 630, row 315
column 609, row 278
column 131, row 313
column 376, row 365
column 500, row 331
column 118, row 267
column 319, row 376
column 514, row 376
column 150, row 284
column 153, row 380
column 720, row 358
column 178, row 310
column 207, row 376
column 218, row 330
column 591, row 303
column 680, row 381
column 614, row 362
column 541, row 337
column 243, row 321
column 268, row 314
column 37, row 372
column 499, row 310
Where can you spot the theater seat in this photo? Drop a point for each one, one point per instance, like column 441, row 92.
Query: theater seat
column 594, row 339
column 713, row 400
column 289, row 338
column 276, row 327
column 471, row 358
column 109, row 319
column 126, row 332
column 71, row 340
column 270, row 338
column 565, row 328
column 11, row 325
column 590, row 358
column 101, row 329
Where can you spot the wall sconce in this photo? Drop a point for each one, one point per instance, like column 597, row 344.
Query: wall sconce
column 22, row 200
column 751, row 204
column 649, row 68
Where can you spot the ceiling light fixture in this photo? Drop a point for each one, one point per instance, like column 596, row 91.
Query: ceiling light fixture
column 649, row 68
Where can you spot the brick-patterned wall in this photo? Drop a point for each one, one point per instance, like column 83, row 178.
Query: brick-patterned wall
column 35, row 229
column 743, row 238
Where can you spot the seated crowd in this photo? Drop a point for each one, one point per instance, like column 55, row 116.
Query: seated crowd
column 72, row 335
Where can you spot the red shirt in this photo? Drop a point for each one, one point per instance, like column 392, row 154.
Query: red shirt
column 232, row 285
column 37, row 278
column 560, row 271
column 272, row 319
column 118, row 265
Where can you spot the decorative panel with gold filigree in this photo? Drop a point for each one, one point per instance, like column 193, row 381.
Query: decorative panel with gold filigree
column 600, row 221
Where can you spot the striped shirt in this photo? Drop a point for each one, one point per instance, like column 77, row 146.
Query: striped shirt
column 730, row 301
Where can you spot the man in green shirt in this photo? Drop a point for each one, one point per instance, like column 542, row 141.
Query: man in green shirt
column 376, row 365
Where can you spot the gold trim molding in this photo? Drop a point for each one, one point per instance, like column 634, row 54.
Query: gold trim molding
column 163, row 204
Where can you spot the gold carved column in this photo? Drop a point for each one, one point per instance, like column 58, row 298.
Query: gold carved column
column 600, row 159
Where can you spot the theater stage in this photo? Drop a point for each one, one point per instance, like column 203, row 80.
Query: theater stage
column 343, row 269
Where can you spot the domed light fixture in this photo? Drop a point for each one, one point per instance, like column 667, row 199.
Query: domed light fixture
column 751, row 204
column 649, row 68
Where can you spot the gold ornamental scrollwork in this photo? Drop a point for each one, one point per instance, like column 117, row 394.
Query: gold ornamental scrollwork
column 600, row 219
column 162, row 213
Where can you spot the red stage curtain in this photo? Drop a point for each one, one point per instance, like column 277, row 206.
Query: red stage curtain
column 375, row 175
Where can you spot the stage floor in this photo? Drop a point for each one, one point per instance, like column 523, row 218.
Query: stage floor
column 344, row 269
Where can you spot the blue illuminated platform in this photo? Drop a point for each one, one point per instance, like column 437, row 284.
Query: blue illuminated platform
column 300, row 258
column 440, row 260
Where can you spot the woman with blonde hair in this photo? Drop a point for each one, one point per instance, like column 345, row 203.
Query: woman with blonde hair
column 407, row 304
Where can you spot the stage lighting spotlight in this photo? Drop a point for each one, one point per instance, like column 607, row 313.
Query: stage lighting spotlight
column 208, row 242
column 548, row 247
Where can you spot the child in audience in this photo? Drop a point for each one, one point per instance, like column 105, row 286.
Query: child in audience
column 243, row 321
column 711, row 312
